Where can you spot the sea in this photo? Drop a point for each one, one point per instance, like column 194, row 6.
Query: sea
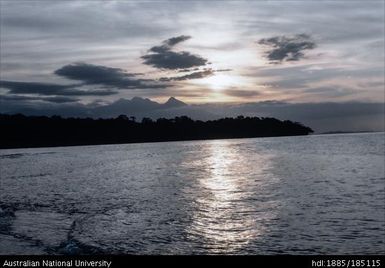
column 316, row 194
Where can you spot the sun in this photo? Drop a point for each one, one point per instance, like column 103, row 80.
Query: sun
column 221, row 81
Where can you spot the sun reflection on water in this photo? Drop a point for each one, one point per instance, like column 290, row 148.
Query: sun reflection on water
column 224, row 219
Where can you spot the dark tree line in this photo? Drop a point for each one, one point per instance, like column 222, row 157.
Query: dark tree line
column 41, row 131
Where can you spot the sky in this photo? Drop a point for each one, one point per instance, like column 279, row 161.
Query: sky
column 57, row 54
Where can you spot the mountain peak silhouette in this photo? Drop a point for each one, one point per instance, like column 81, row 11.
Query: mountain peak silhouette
column 139, row 99
column 173, row 102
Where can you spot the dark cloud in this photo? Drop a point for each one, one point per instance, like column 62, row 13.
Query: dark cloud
column 173, row 60
column 88, row 74
column 163, row 57
column 175, row 40
column 194, row 75
column 169, row 43
column 287, row 48
column 241, row 93
column 50, row 89
column 58, row 99
column 188, row 70
column 91, row 74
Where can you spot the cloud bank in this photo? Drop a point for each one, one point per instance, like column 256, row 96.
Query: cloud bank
column 91, row 74
column 50, row 89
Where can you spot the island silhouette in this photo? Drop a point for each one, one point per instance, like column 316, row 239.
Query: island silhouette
column 20, row 131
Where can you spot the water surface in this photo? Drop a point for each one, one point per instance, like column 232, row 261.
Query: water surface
column 320, row 194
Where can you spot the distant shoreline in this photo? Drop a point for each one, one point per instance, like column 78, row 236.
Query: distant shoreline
column 347, row 132
column 21, row 131
column 145, row 142
column 211, row 139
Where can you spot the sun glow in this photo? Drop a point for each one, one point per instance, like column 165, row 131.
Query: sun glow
column 221, row 81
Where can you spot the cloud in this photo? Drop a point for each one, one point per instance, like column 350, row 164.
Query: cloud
column 334, row 92
column 224, row 70
column 163, row 57
column 241, row 93
column 58, row 99
column 194, row 75
column 50, row 89
column 173, row 60
column 91, row 74
column 175, row 40
column 287, row 48
column 188, row 70
column 61, row 36
column 169, row 43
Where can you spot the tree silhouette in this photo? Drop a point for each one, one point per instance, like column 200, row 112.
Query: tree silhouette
column 37, row 131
